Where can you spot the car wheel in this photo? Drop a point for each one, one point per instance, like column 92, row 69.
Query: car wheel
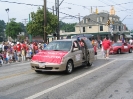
column 119, row 51
column 130, row 50
column 69, row 67
column 37, row 71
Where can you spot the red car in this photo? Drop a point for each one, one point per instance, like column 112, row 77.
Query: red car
column 120, row 47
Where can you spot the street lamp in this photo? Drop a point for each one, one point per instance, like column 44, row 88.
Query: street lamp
column 7, row 10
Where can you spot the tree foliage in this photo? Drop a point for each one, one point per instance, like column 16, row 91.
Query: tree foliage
column 22, row 27
column 2, row 26
column 13, row 28
column 68, row 27
column 36, row 26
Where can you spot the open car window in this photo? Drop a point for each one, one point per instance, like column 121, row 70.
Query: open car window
column 59, row 45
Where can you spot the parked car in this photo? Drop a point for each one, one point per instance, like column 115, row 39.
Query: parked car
column 63, row 55
column 120, row 47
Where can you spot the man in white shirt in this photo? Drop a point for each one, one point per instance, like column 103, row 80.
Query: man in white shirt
column 130, row 41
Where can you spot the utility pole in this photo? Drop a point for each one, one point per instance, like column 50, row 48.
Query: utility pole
column 79, row 24
column 58, row 27
column 25, row 23
column 30, row 36
column 53, row 9
column 7, row 10
column 57, row 5
column 45, row 20
column 54, row 34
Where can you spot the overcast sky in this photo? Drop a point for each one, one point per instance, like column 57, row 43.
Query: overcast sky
column 21, row 12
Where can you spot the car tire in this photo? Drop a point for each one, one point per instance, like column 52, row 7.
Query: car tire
column 130, row 50
column 69, row 67
column 119, row 51
column 37, row 71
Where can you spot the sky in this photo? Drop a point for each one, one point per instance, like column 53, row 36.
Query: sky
column 21, row 12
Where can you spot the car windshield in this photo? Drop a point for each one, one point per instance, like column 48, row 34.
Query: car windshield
column 117, row 44
column 59, row 45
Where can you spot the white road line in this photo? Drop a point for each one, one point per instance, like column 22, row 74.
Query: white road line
column 66, row 82
column 118, row 58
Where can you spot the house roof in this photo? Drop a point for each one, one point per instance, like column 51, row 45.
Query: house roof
column 92, row 19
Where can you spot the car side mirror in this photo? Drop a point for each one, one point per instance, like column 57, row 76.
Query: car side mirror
column 75, row 49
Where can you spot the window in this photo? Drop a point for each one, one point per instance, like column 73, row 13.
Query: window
column 82, row 21
column 90, row 27
column 83, row 29
column 110, row 18
column 101, row 19
column 97, row 19
column 101, row 28
column 119, row 28
column 86, row 20
column 76, row 45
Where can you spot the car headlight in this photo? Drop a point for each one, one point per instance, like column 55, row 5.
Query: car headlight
column 63, row 59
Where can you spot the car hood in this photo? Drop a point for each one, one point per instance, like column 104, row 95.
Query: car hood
column 49, row 56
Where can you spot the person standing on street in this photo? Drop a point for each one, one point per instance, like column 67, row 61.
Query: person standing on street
column 106, row 47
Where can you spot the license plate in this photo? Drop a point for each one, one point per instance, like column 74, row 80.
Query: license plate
column 41, row 65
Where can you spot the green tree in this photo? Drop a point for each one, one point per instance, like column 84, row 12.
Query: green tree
column 2, row 27
column 68, row 27
column 36, row 26
column 13, row 28
column 22, row 27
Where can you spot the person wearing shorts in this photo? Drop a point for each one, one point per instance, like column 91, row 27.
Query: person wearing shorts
column 106, row 47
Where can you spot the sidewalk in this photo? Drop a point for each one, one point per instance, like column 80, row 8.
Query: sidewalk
column 16, row 62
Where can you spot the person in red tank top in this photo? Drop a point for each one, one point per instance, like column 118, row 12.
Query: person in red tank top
column 106, row 46
column 18, row 49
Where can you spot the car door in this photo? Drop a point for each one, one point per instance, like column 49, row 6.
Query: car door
column 90, row 50
column 126, row 49
column 77, row 54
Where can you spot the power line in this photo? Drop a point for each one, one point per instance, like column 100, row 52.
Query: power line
column 54, row 10
column 67, row 3
column 121, row 7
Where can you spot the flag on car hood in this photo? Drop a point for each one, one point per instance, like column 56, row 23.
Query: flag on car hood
column 49, row 56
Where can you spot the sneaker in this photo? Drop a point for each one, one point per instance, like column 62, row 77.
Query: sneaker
column 107, row 57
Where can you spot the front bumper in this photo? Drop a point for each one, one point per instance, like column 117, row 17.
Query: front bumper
column 48, row 66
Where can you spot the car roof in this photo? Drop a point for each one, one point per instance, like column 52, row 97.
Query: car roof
column 66, row 40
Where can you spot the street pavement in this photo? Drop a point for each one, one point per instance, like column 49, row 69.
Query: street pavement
column 106, row 79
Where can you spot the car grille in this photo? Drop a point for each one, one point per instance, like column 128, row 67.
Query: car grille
column 46, row 68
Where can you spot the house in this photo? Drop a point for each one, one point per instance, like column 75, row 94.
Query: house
column 103, row 24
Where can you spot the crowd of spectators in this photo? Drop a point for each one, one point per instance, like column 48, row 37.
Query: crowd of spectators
column 19, row 51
